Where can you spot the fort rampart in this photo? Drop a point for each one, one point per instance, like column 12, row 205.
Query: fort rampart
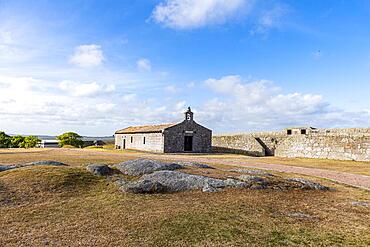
column 341, row 144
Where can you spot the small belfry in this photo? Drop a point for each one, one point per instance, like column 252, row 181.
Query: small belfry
column 189, row 115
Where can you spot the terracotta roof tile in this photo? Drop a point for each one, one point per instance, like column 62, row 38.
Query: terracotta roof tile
column 145, row 128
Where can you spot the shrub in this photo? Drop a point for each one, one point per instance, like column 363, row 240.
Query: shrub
column 30, row 142
column 16, row 141
column 70, row 138
column 4, row 140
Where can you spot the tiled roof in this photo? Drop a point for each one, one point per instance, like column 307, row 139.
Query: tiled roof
column 145, row 129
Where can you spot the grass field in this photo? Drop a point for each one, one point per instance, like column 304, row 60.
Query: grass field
column 67, row 206
column 110, row 156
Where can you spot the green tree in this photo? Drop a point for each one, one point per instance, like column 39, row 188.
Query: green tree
column 16, row 141
column 4, row 140
column 30, row 142
column 70, row 138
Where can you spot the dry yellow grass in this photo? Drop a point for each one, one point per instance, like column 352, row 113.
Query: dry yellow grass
column 108, row 154
column 354, row 167
column 67, row 206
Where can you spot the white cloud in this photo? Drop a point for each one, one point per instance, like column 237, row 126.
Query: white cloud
column 87, row 56
column 12, row 50
column 6, row 37
column 32, row 105
column 105, row 107
column 260, row 105
column 270, row 18
column 180, row 105
column 249, row 93
column 85, row 89
column 129, row 97
column 188, row 14
column 144, row 64
column 35, row 106
column 190, row 85
column 171, row 89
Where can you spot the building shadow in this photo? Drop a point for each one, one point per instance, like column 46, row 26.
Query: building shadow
column 223, row 150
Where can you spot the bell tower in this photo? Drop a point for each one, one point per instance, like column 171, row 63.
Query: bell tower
column 189, row 115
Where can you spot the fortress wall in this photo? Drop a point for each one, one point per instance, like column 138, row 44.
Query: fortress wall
column 242, row 144
column 256, row 143
column 348, row 131
column 269, row 140
column 342, row 144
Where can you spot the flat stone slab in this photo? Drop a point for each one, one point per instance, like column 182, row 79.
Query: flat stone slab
column 44, row 163
column 173, row 181
column 35, row 163
column 361, row 204
column 140, row 167
column 6, row 167
column 300, row 215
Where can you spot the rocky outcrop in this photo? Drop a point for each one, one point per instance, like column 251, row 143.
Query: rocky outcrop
column 195, row 164
column 140, row 167
column 158, row 177
column 173, row 181
column 306, row 184
column 6, row 167
column 44, row 163
column 35, row 163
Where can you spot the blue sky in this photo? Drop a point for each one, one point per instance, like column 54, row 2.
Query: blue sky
column 243, row 65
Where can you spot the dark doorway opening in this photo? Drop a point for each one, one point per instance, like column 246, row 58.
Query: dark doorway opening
column 188, row 145
column 124, row 144
column 303, row 132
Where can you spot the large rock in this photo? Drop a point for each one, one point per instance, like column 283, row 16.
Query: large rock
column 173, row 181
column 140, row 167
column 254, row 182
column 195, row 164
column 306, row 184
column 208, row 188
column 145, row 186
column 99, row 169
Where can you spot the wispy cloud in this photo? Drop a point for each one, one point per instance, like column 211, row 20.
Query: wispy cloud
column 270, row 18
column 144, row 64
column 87, row 56
column 85, row 89
column 260, row 105
column 189, row 14
column 30, row 105
column 171, row 89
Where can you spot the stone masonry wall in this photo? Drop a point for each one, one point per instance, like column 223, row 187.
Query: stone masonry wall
column 333, row 145
column 342, row 144
column 241, row 143
column 175, row 136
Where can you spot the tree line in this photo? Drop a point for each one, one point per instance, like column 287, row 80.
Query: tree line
column 18, row 141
